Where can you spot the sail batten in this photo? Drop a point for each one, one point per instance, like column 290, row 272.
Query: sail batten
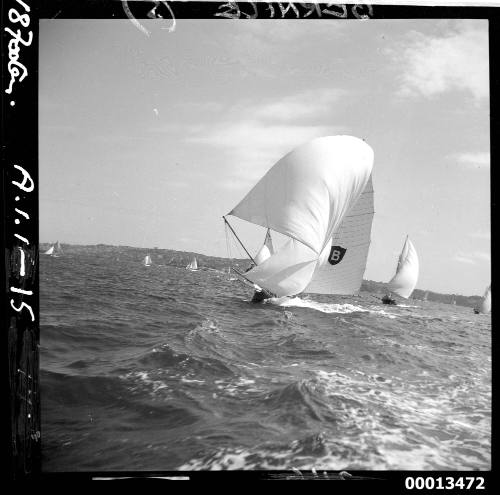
column 309, row 196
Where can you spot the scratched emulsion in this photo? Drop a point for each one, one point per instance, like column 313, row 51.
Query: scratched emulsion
column 162, row 368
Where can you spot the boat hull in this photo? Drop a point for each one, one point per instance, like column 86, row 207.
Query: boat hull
column 389, row 300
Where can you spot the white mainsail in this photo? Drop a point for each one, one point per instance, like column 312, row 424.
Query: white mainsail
column 485, row 304
column 266, row 251
column 405, row 279
column 306, row 196
column 147, row 261
column 193, row 265
column 353, row 235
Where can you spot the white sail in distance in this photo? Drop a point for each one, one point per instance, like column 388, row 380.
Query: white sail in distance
column 266, row 251
column 193, row 265
column 485, row 304
column 50, row 250
column 54, row 250
column 406, row 276
column 147, row 260
column 305, row 196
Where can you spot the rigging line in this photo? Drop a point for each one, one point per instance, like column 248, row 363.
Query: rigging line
column 232, row 230
column 228, row 248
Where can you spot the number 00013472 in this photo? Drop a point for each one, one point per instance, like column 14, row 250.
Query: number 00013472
column 444, row 483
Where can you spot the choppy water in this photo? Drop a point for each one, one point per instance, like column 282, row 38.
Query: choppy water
column 161, row 368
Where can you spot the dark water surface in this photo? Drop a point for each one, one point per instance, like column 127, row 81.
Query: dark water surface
column 161, row 368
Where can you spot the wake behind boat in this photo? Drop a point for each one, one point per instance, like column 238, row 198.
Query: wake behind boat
column 406, row 276
column 320, row 197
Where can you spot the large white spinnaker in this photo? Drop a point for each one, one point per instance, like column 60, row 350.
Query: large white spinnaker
column 305, row 196
column 406, row 276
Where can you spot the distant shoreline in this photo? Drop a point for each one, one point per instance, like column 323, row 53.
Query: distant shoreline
column 217, row 261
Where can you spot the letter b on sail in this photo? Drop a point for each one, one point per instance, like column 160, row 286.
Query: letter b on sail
column 336, row 255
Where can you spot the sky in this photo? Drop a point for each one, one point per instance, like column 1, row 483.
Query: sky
column 147, row 140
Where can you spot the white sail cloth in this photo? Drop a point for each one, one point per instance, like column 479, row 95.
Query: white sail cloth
column 485, row 305
column 287, row 272
column 354, row 236
column 305, row 196
column 266, row 251
column 406, row 276
column 193, row 265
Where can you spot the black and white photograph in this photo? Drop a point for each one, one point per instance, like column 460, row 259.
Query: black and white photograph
column 264, row 241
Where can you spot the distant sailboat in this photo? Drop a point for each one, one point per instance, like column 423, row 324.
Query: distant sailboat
column 50, row 250
column 426, row 295
column 406, row 276
column 320, row 196
column 485, row 305
column 193, row 266
column 54, row 250
column 147, row 261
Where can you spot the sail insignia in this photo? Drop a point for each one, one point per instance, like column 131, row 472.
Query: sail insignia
column 336, row 255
